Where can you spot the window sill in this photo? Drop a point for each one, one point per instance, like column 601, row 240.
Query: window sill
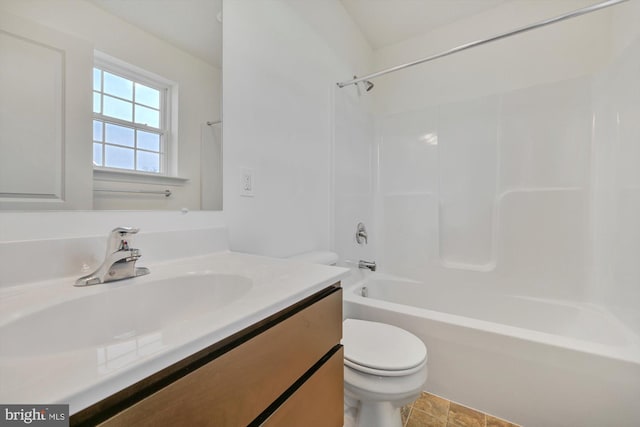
column 136, row 177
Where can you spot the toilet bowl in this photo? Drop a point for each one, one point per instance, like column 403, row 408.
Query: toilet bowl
column 385, row 368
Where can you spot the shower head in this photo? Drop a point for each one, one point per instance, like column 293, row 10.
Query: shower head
column 366, row 83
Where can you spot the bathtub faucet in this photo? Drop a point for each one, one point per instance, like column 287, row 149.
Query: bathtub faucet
column 371, row 265
column 119, row 261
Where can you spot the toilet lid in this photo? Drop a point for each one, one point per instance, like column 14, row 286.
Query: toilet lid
column 378, row 346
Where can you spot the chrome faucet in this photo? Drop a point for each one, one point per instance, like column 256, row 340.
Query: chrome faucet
column 119, row 262
column 371, row 265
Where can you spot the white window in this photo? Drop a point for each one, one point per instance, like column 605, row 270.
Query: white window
column 130, row 119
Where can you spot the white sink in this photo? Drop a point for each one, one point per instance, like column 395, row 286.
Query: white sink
column 78, row 345
column 119, row 313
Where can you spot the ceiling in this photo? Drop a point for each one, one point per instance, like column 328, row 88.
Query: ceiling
column 386, row 22
column 190, row 25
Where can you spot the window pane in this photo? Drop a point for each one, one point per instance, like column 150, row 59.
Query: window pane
column 127, row 131
column 117, row 108
column 147, row 116
column 118, row 157
column 120, row 135
column 97, row 130
column 96, row 102
column 97, row 154
column 97, row 79
column 148, row 141
column 147, row 96
column 148, row 162
column 118, row 86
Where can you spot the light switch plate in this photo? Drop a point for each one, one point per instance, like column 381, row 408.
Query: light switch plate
column 247, row 182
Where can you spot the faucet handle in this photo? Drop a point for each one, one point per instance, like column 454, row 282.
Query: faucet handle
column 124, row 230
column 116, row 240
column 361, row 234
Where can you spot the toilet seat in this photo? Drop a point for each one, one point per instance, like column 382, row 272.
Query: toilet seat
column 380, row 349
column 384, row 373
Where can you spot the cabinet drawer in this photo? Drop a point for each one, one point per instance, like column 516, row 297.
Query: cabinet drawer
column 236, row 387
column 319, row 402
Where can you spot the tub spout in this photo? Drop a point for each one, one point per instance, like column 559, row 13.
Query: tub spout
column 371, row 265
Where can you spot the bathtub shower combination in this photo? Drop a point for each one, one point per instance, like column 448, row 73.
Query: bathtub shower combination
column 502, row 195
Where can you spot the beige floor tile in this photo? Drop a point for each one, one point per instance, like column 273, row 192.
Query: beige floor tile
column 419, row 418
column 461, row 416
column 433, row 405
column 497, row 422
column 433, row 411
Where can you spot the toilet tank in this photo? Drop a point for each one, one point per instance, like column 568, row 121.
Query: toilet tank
column 317, row 257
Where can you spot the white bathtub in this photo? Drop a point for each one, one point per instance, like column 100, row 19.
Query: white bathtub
column 532, row 361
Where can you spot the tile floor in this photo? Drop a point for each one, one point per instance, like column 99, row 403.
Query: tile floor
column 433, row 411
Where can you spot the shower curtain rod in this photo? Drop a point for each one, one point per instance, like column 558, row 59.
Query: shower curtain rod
column 466, row 46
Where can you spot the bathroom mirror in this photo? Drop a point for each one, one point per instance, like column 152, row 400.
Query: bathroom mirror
column 156, row 113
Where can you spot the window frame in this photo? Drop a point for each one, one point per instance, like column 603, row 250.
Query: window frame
column 168, row 144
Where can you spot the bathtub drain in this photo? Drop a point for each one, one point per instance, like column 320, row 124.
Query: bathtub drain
column 364, row 291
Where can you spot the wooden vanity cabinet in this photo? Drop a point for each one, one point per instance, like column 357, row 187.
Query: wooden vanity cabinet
column 284, row 371
column 318, row 402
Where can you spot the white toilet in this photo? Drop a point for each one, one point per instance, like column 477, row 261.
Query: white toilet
column 385, row 367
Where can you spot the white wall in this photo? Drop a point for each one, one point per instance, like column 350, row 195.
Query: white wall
column 352, row 159
column 199, row 86
column 354, row 168
column 338, row 31
column 279, row 75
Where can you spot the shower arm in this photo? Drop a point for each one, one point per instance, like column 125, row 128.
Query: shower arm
column 540, row 24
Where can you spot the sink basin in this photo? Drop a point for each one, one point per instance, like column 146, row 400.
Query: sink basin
column 125, row 311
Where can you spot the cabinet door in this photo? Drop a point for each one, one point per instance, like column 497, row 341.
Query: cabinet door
column 318, row 402
column 233, row 389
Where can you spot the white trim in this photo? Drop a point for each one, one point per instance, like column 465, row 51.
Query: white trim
column 128, row 124
column 121, row 175
column 119, row 66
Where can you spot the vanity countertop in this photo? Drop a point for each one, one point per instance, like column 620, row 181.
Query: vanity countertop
column 72, row 358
